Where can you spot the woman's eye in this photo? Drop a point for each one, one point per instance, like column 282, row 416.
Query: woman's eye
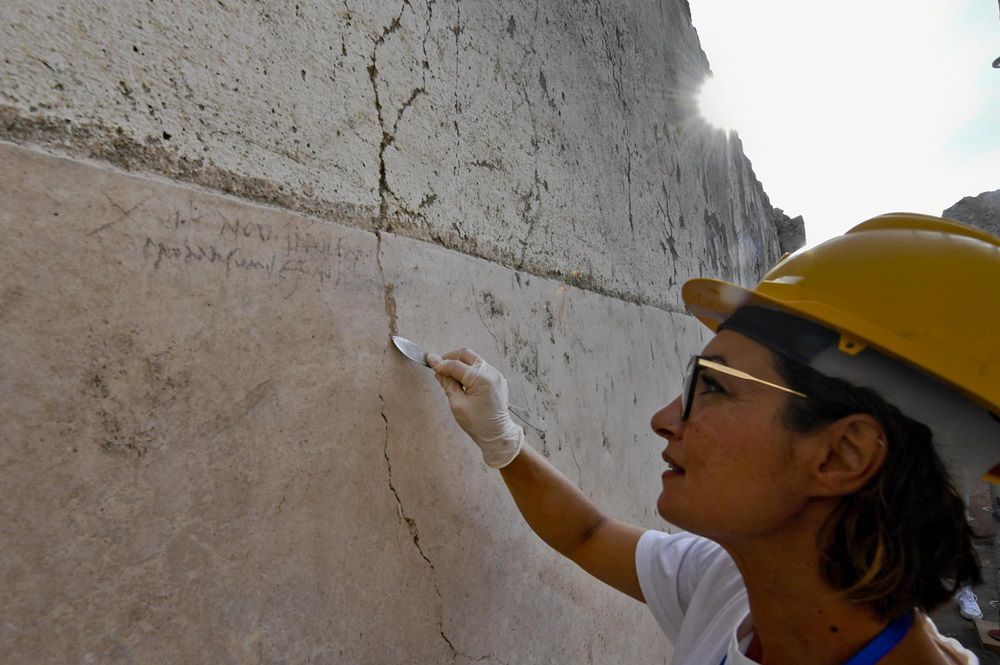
column 710, row 385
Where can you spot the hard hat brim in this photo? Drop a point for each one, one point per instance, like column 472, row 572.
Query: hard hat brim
column 712, row 301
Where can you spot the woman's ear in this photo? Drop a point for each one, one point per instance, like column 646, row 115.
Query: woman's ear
column 853, row 450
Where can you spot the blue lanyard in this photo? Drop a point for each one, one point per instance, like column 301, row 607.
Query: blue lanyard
column 881, row 644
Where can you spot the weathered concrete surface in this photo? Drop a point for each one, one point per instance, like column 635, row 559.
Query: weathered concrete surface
column 982, row 211
column 557, row 138
column 211, row 453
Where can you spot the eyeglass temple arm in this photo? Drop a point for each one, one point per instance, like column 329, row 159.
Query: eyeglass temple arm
column 726, row 369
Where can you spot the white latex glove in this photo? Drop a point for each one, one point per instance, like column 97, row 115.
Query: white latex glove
column 477, row 393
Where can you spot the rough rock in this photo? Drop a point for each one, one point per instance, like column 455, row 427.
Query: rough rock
column 982, row 211
column 791, row 230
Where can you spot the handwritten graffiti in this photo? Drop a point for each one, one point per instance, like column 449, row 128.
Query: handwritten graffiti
column 277, row 251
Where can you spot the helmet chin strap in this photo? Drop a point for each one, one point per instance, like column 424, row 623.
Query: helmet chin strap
column 966, row 435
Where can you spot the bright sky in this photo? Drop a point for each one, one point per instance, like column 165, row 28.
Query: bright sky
column 855, row 108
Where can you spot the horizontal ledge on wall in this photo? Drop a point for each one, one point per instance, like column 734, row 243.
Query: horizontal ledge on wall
column 115, row 148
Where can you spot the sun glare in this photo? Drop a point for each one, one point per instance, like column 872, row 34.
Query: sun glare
column 716, row 104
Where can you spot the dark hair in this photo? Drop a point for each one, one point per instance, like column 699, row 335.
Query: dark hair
column 902, row 540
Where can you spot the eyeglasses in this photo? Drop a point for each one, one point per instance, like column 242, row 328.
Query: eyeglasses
column 691, row 381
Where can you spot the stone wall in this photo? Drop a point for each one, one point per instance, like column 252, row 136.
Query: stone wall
column 215, row 216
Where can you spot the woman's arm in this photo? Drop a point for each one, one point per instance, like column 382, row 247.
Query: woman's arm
column 571, row 524
column 554, row 508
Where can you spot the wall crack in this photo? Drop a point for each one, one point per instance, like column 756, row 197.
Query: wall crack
column 457, row 30
column 387, row 130
column 387, row 137
column 388, row 289
column 534, row 193
column 411, row 524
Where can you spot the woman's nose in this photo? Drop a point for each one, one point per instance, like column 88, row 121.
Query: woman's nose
column 667, row 421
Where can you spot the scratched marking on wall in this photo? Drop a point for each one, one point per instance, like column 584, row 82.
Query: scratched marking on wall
column 278, row 251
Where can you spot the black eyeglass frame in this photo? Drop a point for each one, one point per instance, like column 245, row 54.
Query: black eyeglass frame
column 701, row 362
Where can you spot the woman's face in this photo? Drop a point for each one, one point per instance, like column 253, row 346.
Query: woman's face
column 738, row 471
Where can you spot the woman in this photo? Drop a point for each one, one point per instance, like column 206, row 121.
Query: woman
column 813, row 455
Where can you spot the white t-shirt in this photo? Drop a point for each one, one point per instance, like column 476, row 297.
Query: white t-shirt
column 697, row 596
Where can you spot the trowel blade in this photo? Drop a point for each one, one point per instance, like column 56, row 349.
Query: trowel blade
column 411, row 350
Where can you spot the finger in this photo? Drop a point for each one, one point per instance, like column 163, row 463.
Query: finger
column 449, row 384
column 457, row 370
column 466, row 355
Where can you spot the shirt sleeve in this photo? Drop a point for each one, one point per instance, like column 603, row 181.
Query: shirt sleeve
column 955, row 650
column 671, row 567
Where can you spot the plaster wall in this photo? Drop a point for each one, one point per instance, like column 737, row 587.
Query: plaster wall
column 212, row 454
column 215, row 215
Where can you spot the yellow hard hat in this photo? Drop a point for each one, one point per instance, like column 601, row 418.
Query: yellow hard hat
column 919, row 289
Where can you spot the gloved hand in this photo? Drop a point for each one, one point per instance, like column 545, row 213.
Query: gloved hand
column 477, row 393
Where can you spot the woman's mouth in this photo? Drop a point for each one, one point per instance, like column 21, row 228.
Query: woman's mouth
column 673, row 470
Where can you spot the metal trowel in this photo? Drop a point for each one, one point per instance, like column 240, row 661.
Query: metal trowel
column 413, row 351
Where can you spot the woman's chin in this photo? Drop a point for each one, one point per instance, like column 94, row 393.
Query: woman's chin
column 672, row 512
column 663, row 508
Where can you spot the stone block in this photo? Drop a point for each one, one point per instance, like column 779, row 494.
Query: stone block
column 211, row 452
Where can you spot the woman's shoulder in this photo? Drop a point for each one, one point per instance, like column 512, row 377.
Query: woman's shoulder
column 682, row 543
column 925, row 645
column 951, row 648
column 684, row 555
column 689, row 583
